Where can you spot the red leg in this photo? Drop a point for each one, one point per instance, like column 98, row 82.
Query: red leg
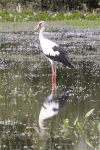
column 54, row 78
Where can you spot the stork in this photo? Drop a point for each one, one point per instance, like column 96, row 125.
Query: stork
column 52, row 51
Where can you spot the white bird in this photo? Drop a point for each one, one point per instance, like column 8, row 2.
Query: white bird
column 52, row 51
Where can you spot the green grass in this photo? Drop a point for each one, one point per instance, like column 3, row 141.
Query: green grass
column 76, row 19
column 37, row 16
column 84, row 23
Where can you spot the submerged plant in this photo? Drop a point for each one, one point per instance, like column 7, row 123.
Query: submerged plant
column 30, row 95
column 65, row 128
column 33, row 96
column 14, row 91
column 1, row 96
column 81, row 126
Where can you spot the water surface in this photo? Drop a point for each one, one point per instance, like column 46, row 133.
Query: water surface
column 24, row 68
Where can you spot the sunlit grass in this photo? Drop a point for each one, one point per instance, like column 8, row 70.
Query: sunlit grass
column 84, row 23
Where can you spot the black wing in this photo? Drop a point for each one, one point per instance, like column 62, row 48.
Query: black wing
column 62, row 57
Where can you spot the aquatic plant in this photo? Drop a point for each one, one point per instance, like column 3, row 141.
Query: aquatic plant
column 14, row 92
column 33, row 96
column 37, row 16
column 65, row 128
column 79, row 128
column 30, row 95
column 1, row 96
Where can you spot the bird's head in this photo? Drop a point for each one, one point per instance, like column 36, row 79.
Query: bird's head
column 39, row 26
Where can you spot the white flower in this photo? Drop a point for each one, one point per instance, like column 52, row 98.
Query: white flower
column 34, row 14
column 65, row 15
column 84, row 15
column 10, row 15
column 55, row 14
column 0, row 17
column 50, row 14
column 28, row 16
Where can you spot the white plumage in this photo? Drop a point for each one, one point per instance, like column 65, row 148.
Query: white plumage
column 51, row 49
column 47, row 47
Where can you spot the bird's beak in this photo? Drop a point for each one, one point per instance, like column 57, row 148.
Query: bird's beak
column 34, row 30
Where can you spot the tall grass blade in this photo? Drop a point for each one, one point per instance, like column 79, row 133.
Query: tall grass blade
column 43, row 89
column 89, row 113
column 76, row 120
column 89, row 144
column 98, row 126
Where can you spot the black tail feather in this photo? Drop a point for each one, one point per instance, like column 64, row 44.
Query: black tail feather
column 61, row 57
column 67, row 62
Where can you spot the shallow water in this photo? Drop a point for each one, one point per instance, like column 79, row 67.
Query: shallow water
column 23, row 68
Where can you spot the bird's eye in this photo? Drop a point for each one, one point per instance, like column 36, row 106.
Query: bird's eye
column 40, row 24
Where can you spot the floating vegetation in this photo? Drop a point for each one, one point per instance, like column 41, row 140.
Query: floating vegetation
column 37, row 16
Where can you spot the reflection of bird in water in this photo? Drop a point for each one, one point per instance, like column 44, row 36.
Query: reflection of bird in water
column 52, row 51
column 51, row 107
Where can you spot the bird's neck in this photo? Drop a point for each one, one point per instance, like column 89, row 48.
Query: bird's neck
column 41, row 33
